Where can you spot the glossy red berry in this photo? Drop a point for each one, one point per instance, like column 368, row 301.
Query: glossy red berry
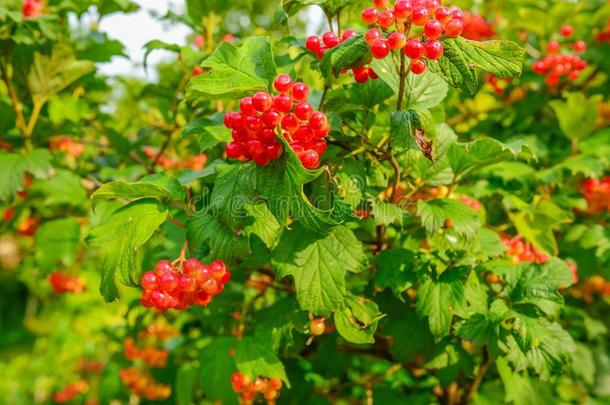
column 262, row 101
column 370, row 15
column 381, row 3
column 163, row 266
column 380, row 49
column 454, row 28
column 348, row 34
column 397, row 40
column 386, row 18
column 271, row 118
column 290, row 123
column 168, row 282
column 579, row 46
column 553, row 46
column 283, row 83
column 414, row 48
column 361, row 76
column 254, row 122
column 372, row 35
column 246, row 106
column 300, row 91
column 234, row 150
column 283, row 103
column 567, row 31
column 443, row 14
column 274, row 151
column 149, row 281
column 457, row 14
column 420, row 16
column 433, row 29
column 403, row 9
column 317, row 327
column 433, row 49
column 187, row 284
column 330, row 39
column 303, row 110
column 309, row 158
column 418, row 66
column 312, row 43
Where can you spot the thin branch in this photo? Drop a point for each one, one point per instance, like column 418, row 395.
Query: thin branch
column 483, row 369
column 17, row 106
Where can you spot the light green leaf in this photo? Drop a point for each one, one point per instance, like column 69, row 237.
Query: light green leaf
column 56, row 243
column 254, row 356
column 159, row 185
column 577, row 115
column 357, row 322
column 121, row 238
column 318, row 264
column 386, row 213
column 185, row 383
column 353, row 52
column 215, row 369
column 225, row 244
column 64, row 187
column 395, row 270
column 435, row 213
column 264, row 225
column 207, row 134
column 13, row 167
column 424, row 91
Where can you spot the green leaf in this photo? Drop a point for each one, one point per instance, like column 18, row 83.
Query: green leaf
column 156, row 44
column 411, row 130
column 353, row 52
column 521, row 389
column 462, row 57
column 395, row 270
column 468, row 157
column 424, row 91
column 386, row 213
column 64, row 187
column 225, row 244
column 281, row 184
column 233, row 72
column 185, row 383
column 159, row 186
column 121, row 238
column 318, row 264
column 254, row 356
column 435, row 213
column 285, row 320
column 56, row 243
column 386, row 70
column 14, row 166
column 577, row 115
column 215, row 370
column 477, row 329
column 207, row 134
column 538, row 284
column 440, row 300
column 264, row 225
column 357, row 322
column 410, row 335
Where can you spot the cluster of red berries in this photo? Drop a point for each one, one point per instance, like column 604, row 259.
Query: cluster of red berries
column 523, row 252
column 590, row 287
column 328, row 40
column 144, row 385
column 269, row 388
column 90, row 366
column 192, row 283
column 67, row 145
column 498, row 85
column 477, row 28
column 158, row 331
column 557, row 64
column 28, row 226
column 597, row 194
column 62, row 283
column 471, row 202
column 150, row 355
column 70, row 391
column 434, row 20
column 255, row 128
column 196, row 162
column 8, row 214
column 32, row 8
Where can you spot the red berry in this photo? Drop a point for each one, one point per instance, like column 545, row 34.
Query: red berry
column 330, row 39
column 372, row 74
column 304, row 134
column 168, row 281
column 414, row 48
column 163, row 267
column 454, row 28
column 159, row 299
column 309, row 158
column 552, row 80
column 567, row 31
column 246, row 107
column 381, row 3
column 443, row 14
column 418, row 66
column 300, row 91
column 317, row 327
column 402, row 9
column 210, row 286
column 312, row 43
column 386, row 18
column 233, row 150
column 262, row 101
column 317, row 120
column 369, row 16
column 187, row 284
column 271, row 118
column 283, row 103
column 290, row 123
column 553, row 46
column 397, row 40
column 380, row 49
column 372, row 35
column 574, row 75
column 420, row 16
column 457, row 13
column 255, row 148
column 283, row 83
column 254, row 122
column 347, row 34
column 433, row 29
column 433, row 49
column 274, row 150
column 149, row 281
column 579, row 46
column 303, row 110
column 218, row 269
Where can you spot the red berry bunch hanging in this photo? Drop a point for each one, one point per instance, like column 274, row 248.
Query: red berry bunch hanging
column 523, row 252
column 150, row 355
column 192, row 283
column 597, row 194
column 263, row 116
column 70, row 391
column 431, row 20
column 142, row 384
column 63, row 284
column 328, row 40
column 477, row 28
column 269, row 388
column 560, row 62
column 32, row 8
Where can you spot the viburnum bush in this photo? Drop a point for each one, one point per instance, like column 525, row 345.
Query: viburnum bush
column 306, row 202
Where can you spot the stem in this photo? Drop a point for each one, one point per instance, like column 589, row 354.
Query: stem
column 182, row 258
column 483, row 369
column 326, row 87
column 401, row 86
column 17, row 107
column 38, row 104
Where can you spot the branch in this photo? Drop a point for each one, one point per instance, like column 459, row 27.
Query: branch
column 17, row 107
column 483, row 369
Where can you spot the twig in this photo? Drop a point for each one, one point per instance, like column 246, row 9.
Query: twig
column 483, row 369
column 17, row 107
